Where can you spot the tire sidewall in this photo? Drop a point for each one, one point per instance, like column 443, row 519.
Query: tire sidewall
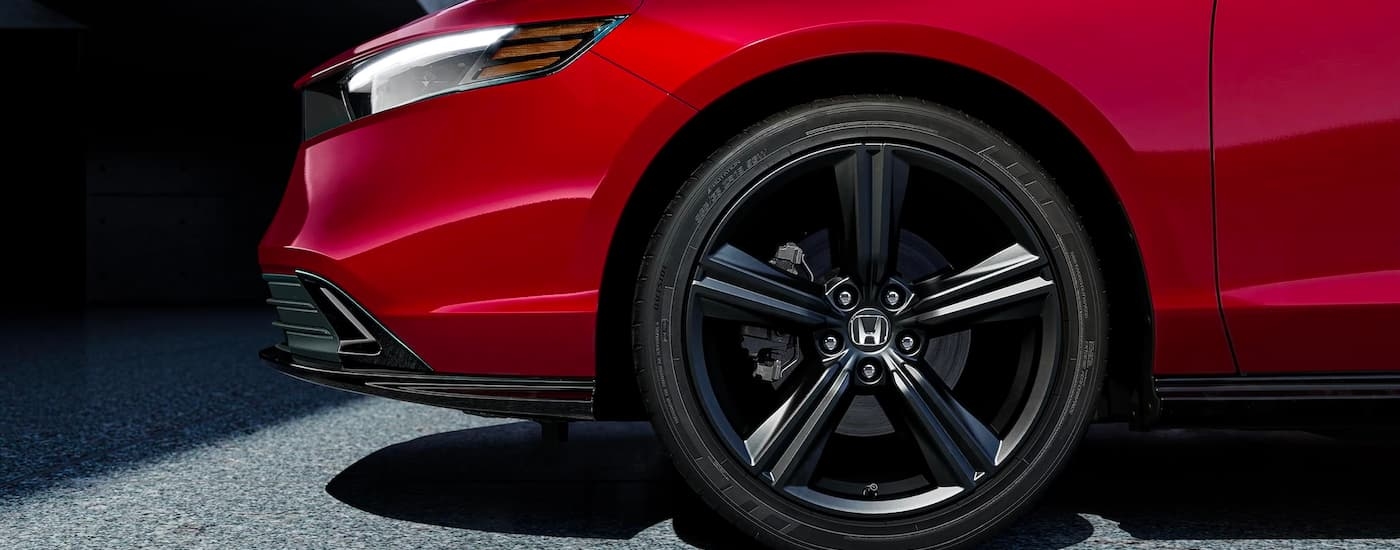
column 682, row 423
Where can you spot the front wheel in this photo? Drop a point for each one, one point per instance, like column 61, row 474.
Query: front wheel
column 869, row 321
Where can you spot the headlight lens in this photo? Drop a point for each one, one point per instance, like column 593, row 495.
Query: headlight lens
column 444, row 64
column 419, row 70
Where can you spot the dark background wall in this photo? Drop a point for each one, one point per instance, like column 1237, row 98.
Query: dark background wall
column 154, row 138
column 41, row 158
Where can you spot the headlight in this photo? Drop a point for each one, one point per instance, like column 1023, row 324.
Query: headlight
column 444, row 64
column 422, row 69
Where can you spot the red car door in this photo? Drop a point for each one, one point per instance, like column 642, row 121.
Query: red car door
column 1306, row 133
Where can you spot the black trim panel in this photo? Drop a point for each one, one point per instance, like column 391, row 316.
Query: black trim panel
column 365, row 343
column 321, row 322
column 1279, row 388
column 516, row 397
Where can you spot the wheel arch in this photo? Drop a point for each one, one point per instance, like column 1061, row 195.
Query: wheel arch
column 1128, row 393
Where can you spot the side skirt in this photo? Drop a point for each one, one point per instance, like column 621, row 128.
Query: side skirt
column 1281, row 402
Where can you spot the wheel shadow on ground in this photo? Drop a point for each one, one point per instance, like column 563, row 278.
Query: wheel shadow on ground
column 611, row 481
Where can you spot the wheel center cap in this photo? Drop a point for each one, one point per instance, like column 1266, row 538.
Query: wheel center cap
column 870, row 329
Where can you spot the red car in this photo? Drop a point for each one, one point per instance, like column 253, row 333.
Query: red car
column 869, row 268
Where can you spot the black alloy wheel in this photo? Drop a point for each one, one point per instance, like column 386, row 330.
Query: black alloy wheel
column 869, row 320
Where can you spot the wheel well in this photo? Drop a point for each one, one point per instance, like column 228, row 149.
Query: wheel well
column 985, row 98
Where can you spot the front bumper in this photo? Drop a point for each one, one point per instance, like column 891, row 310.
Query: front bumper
column 476, row 226
column 331, row 340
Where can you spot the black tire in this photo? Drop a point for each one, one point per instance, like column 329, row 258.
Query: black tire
column 667, row 381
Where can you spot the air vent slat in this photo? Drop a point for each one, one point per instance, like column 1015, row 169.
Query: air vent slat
column 313, row 332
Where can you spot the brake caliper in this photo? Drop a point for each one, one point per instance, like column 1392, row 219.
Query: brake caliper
column 775, row 353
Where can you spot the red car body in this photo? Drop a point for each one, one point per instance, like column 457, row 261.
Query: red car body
column 479, row 224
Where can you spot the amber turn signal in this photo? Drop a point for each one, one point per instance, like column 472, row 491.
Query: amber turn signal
column 536, row 48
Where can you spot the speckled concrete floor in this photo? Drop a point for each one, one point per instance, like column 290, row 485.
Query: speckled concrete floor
column 161, row 429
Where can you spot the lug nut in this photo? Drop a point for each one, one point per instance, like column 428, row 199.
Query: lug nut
column 830, row 343
column 869, row 373
column 908, row 343
column 845, row 298
column 893, row 297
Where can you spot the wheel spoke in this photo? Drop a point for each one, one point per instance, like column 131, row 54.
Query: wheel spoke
column 747, row 289
column 955, row 444
column 870, row 185
column 865, row 320
column 1005, row 286
column 790, row 438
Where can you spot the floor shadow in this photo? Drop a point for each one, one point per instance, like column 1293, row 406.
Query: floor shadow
column 83, row 395
column 611, row 482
